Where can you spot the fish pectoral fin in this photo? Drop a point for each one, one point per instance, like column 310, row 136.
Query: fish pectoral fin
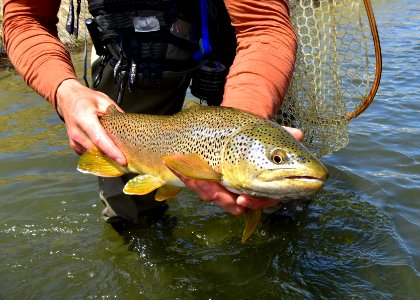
column 97, row 163
column 252, row 220
column 142, row 185
column 191, row 165
column 166, row 192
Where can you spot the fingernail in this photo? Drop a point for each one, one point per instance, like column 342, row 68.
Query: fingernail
column 120, row 161
column 241, row 201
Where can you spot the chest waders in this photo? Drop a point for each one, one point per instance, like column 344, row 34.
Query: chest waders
column 143, row 40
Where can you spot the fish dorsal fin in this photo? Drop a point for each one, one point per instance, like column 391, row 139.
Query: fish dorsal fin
column 189, row 103
column 252, row 220
column 142, row 185
column 191, row 165
column 97, row 163
column 110, row 110
column 166, row 192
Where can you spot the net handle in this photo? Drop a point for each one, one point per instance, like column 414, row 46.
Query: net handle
column 378, row 70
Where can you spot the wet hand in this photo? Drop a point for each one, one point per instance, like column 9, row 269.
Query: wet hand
column 230, row 202
column 80, row 108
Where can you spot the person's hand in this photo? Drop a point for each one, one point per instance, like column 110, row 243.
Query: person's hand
column 80, row 108
column 230, row 202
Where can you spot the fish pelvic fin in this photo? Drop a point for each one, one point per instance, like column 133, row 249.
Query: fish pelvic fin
column 191, row 165
column 252, row 220
column 97, row 163
column 142, row 185
column 167, row 191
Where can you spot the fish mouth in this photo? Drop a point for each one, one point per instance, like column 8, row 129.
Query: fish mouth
column 307, row 183
column 306, row 178
column 285, row 188
column 312, row 181
column 279, row 188
column 274, row 176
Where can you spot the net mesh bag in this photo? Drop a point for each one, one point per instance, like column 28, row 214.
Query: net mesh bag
column 334, row 71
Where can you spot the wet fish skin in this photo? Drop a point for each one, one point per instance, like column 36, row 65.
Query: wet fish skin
column 245, row 153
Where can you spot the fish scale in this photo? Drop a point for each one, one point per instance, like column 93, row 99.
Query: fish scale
column 244, row 153
column 183, row 133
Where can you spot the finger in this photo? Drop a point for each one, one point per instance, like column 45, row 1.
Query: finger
column 97, row 134
column 104, row 106
column 79, row 141
column 76, row 147
column 212, row 191
column 216, row 193
column 297, row 133
column 256, row 203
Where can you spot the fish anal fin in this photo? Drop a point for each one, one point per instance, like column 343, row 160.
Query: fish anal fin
column 142, row 185
column 97, row 163
column 252, row 220
column 166, row 192
column 191, row 165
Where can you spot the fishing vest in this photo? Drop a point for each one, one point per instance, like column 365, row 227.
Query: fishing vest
column 150, row 37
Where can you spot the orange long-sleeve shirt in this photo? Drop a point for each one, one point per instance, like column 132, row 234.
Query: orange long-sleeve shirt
column 257, row 81
column 30, row 36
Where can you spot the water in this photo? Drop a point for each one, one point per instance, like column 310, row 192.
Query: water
column 358, row 238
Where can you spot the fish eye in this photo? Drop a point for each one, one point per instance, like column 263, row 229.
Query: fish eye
column 278, row 156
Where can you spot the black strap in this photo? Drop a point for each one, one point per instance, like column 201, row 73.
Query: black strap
column 70, row 18
column 165, row 35
column 76, row 25
column 72, row 25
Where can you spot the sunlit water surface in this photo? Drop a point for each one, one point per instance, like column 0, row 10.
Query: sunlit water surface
column 359, row 237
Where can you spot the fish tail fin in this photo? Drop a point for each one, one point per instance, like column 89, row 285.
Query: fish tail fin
column 97, row 163
column 252, row 220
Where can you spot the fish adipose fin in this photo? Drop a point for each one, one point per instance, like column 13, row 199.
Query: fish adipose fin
column 252, row 220
column 167, row 191
column 142, row 185
column 97, row 163
column 191, row 165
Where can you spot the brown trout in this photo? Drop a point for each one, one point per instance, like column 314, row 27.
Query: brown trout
column 244, row 153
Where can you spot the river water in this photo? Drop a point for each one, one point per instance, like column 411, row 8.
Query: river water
column 358, row 238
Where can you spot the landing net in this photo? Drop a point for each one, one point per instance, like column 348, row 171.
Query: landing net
column 337, row 70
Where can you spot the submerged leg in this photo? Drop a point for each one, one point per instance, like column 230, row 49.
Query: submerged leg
column 122, row 207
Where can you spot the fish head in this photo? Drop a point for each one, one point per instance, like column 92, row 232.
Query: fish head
column 264, row 160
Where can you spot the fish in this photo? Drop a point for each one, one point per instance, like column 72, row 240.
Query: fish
column 243, row 152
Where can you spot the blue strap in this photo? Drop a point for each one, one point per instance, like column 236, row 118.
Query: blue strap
column 205, row 46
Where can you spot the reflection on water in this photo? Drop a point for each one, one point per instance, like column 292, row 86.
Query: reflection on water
column 358, row 238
